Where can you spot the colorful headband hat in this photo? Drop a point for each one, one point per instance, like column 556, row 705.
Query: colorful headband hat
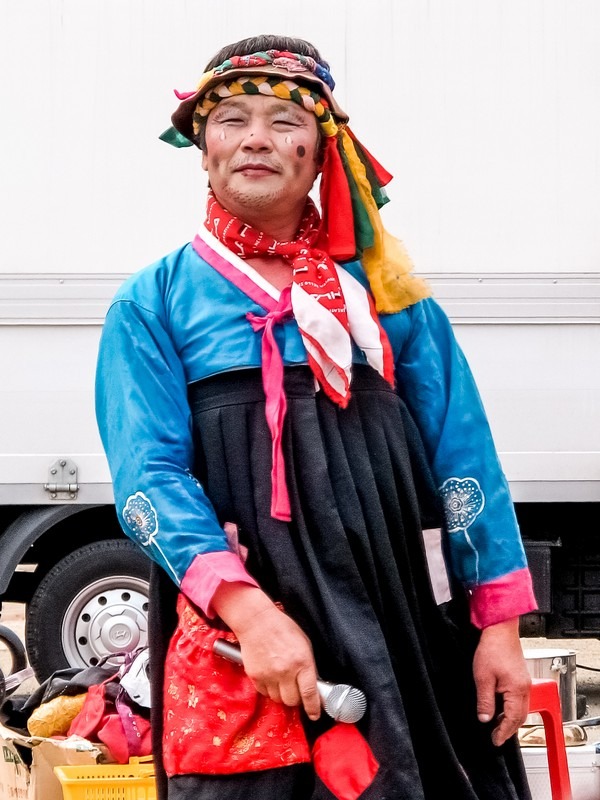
column 352, row 181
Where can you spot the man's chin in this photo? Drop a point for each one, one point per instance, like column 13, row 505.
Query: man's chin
column 253, row 201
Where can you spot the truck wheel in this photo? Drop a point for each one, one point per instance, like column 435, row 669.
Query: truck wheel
column 10, row 642
column 91, row 604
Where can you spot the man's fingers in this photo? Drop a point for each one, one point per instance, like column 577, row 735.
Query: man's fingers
column 309, row 694
column 302, row 691
column 274, row 692
column 507, row 728
column 263, row 688
column 514, row 714
column 290, row 694
column 486, row 700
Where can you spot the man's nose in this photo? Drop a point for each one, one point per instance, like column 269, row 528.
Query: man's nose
column 257, row 137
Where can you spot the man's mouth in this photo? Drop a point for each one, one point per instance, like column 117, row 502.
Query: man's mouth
column 256, row 169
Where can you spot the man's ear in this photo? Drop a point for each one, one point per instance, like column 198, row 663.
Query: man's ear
column 204, row 161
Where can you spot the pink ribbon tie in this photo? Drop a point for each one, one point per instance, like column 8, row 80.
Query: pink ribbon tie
column 275, row 402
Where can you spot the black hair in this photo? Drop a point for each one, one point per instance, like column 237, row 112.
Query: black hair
column 259, row 44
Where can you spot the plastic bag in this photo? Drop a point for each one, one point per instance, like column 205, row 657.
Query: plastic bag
column 109, row 715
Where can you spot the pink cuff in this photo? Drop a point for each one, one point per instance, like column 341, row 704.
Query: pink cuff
column 504, row 598
column 204, row 576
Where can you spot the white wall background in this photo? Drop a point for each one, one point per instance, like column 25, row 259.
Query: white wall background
column 486, row 111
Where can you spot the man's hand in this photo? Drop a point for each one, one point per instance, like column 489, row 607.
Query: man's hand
column 277, row 654
column 499, row 667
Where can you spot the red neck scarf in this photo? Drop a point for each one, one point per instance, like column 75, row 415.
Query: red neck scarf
column 327, row 320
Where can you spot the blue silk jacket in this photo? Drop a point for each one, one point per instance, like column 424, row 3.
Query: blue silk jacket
column 179, row 321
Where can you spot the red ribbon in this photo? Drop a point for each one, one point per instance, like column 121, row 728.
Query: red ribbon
column 336, row 206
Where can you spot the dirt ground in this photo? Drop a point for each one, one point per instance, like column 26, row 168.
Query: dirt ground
column 587, row 654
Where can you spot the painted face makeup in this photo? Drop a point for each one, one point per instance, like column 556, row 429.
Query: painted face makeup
column 261, row 156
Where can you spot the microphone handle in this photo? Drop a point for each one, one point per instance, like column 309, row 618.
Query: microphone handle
column 228, row 650
column 341, row 702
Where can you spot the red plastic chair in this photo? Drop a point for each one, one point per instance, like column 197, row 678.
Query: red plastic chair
column 545, row 700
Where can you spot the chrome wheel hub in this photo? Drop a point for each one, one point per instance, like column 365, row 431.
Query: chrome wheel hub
column 108, row 617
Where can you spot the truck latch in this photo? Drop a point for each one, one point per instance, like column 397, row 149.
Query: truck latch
column 62, row 480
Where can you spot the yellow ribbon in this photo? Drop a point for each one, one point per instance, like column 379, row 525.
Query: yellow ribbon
column 387, row 264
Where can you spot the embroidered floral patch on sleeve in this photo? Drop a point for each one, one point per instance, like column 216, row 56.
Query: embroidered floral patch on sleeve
column 140, row 517
column 463, row 502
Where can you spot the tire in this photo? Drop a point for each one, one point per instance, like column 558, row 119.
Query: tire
column 10, row 641
column 92, row 604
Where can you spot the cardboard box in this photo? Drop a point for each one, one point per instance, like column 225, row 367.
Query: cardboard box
column 27, row 763
column 584, row 772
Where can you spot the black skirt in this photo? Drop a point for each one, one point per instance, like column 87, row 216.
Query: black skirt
column 351, row 570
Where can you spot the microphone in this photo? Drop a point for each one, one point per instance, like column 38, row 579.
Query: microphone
column 342, row 702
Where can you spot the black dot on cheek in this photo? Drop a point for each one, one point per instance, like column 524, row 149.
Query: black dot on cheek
column 301, row 151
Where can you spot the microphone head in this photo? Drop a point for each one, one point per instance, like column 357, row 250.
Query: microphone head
column 342, row 702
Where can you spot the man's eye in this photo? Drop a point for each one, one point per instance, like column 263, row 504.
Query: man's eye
column 289, row 123
column 231, row 120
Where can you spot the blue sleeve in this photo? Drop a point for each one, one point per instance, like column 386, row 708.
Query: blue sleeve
column 145, row 426
column 435, row 381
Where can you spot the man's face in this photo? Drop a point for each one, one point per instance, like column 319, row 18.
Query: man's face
column 261, row 157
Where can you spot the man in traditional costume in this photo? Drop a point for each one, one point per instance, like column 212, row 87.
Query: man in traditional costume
column 296, row 440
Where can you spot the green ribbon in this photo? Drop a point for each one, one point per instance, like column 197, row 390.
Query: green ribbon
column 363, row 230
column 173, row 137
column 377, row 190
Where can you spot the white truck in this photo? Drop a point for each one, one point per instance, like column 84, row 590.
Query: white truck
column 487, row 115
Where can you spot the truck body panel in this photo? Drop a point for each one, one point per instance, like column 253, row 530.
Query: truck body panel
column 486, row 114
column 531, row 341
